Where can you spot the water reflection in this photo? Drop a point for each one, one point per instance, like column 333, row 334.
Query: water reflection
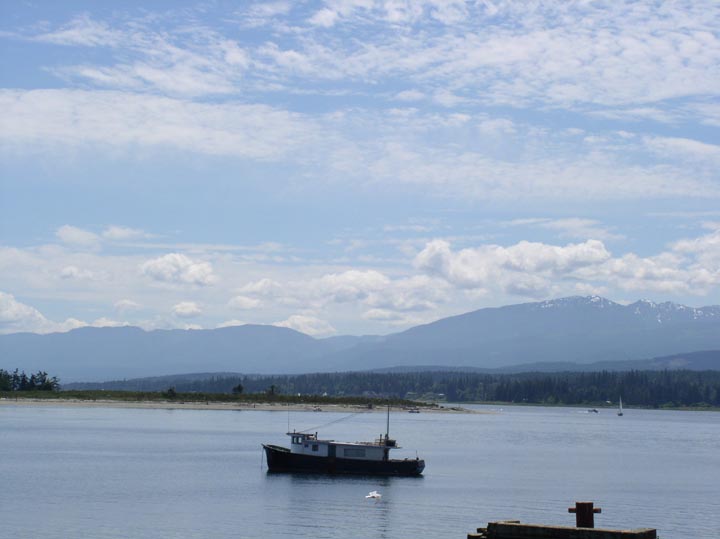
column 340, row 499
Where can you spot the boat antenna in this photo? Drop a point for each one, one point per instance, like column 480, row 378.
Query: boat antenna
column 331, row 422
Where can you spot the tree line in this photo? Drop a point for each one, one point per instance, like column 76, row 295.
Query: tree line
column 641, row 388
column 19, row 381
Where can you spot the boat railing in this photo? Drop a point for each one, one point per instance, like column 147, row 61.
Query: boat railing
column 386, row 441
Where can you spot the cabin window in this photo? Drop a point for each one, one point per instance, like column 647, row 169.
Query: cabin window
column 355, row 452
column 315, row 447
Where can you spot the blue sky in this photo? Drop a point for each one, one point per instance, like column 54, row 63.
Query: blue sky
column 353, row 166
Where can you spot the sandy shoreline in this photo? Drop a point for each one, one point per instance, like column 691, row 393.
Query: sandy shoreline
column 234, row 406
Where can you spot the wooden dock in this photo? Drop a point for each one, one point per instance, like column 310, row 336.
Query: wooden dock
column 516, row 530
column 585, row 528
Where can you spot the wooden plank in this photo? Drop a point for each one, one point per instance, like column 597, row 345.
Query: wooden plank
column 508, row 530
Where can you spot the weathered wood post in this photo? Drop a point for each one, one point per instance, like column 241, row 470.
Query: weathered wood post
column 584, row 514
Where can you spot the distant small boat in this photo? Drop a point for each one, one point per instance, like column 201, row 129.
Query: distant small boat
column 592, row 411
column 620, row 412
column 374, row 494
column 413, row 411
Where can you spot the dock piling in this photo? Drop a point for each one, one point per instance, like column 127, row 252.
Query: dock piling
column 584, row 514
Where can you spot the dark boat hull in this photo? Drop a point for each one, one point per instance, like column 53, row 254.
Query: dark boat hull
column 280, row 459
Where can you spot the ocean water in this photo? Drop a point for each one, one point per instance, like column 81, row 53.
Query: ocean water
column 127, row 473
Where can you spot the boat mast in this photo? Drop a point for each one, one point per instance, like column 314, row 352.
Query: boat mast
column 387, row 429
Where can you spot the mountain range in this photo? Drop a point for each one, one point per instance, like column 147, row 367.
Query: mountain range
column 573, row 330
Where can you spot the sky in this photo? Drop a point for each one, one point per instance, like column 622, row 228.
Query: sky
column 352, row 166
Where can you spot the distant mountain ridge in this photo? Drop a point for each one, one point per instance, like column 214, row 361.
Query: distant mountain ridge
column 705, row 360
column 573, row 329
column 577, row 329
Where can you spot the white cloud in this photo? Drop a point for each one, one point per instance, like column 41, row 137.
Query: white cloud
column 309, row 325
column 709, row 113
column 383, row 315
column 19, row 317
column 117, row 119
column 126, row 305
column 263, row 288
column 325, row 18
column 574, row 55
column 345, row 287
column 194, row 61
column 442, row 280
column 538, row 257
column 75, row 236
column 180, row 269
column 75, row 273
column 465, row 268
column 527, row 285
column 571, row 54
column 187, row 309
column 183, row 79
column 498, row 125
column 448, row 99
column 537, row 270
column 235, row 55
column 263, row 13
column 351, row 285
column 661, row 273
column 574, row 227
column 120, row 233
column 522, row 267
column 684, row 148
column 244, row 303
column 231, row 323
column 394, row 318
column 599, row 173
column 83, row 31
column 105, row 322
column 16, row 316
column 60, row 327
column 705, row 249
column 418, row 293
column 352, row 289
column 410, row 95
column 407, row 149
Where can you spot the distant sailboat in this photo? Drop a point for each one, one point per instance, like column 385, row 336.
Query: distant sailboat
column 620, row 412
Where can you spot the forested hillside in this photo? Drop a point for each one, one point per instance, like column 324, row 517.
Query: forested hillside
column 641, row 388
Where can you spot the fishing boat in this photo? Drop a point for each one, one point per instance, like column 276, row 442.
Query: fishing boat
column 309, row 454
column 620, row 411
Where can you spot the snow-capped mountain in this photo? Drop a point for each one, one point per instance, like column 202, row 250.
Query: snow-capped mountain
column 578, row 329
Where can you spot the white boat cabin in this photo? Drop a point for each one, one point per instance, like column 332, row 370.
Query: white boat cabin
column 308, row 444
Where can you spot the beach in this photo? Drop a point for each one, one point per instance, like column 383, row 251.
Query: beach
column 235, row 406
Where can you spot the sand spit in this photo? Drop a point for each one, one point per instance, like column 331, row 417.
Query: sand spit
column 244, row 406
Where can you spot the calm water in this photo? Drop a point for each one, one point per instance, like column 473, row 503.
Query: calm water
column 116, row 473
